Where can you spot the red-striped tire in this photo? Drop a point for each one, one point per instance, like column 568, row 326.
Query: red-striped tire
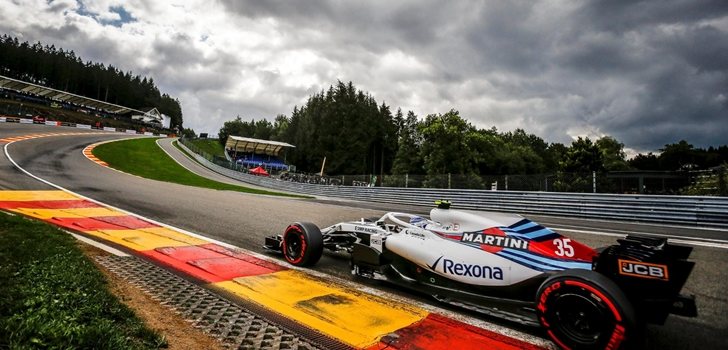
column 582, row 309
column 303, row 244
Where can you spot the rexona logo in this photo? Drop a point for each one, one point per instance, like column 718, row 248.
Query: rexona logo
column 498, row 241
column 468, row 270
column 642, row 269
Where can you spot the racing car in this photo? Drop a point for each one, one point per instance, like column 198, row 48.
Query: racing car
column 509, row 266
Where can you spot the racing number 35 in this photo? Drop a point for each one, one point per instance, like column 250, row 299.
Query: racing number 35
column 563, row 247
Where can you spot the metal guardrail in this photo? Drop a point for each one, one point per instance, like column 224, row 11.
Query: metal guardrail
column 686, row 210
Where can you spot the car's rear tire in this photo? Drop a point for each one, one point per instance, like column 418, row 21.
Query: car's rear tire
column 582, row 309
column 303, row 244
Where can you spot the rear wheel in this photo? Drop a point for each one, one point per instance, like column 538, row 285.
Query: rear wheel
column 303, row 244
column 582, row 309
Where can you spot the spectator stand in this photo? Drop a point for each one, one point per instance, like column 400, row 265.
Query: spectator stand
column 35, row 95
column 251, row 153
column 42, row 94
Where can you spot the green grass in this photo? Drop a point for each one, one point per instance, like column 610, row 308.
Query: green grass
column 209, row 146
column 52, row 296
column 144, row 158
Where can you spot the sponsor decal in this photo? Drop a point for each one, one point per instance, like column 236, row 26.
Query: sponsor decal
column 495, row 240
column 452, row 227
column 467, row 270
column 376, row 243
column 416, row 234
column 365, row 229
column 643, row 269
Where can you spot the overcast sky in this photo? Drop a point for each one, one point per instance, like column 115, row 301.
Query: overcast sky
column 645, row 72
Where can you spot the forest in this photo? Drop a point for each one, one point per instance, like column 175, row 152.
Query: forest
column 63, row 70
column 357, row 135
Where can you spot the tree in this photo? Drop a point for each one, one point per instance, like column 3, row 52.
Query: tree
column 682, row 156
column 235, row 127
column 612, row 154
column 408, row 159
column 445, row 149
column 529, row 149
column 280, row 127
column 171, row 107
column 188, row 133
column 583, row 157
column 676, row 156
column 555, row 154
column 345, row 125
column 488, row 148
column 262, row 129
column 647, row 161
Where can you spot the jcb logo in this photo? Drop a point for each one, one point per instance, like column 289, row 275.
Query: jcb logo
column 643, row 270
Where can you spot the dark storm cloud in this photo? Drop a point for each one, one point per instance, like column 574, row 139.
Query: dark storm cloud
column 378, row 26
column 647, row 72
column 628, row 15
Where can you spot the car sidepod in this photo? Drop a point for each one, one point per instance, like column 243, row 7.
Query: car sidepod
column 458, row 262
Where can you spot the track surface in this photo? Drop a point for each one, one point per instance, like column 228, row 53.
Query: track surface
column 243, row 220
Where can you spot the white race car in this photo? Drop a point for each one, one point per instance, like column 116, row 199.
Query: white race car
column 508, row 266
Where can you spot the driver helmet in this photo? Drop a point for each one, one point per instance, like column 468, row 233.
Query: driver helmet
column 418, row 221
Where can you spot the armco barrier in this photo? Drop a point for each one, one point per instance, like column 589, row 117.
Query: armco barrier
column 688, row 210
column 83, row 126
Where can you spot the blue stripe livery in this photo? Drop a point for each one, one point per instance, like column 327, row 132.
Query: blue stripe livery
column 530, row 230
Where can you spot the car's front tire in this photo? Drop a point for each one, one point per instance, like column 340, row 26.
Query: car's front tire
column 582, row 309
column 303, row 244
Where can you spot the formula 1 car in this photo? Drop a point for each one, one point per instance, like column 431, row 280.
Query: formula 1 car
column 508, row 266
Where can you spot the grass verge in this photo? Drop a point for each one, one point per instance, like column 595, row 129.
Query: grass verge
column 54, row 297
column 142, row 157
column 209, row 146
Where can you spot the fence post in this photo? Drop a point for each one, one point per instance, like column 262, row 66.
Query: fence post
column 448, row 181
column 406, row 180
column 594, row 182
column 506, row 182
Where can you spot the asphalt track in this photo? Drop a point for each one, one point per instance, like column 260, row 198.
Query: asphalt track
column 243, row 220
